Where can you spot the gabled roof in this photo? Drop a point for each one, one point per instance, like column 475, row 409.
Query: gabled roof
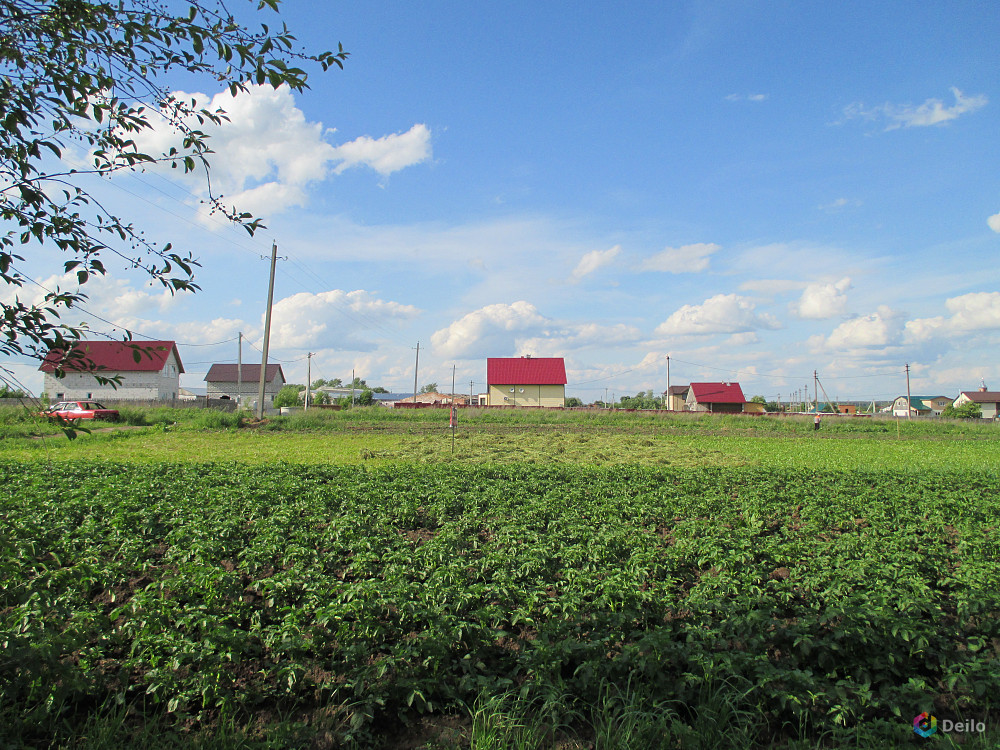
column 227, row 373
column 983, row 397
column 118, row 356
column 718, row 393
column 525, row 371
column 677, row 390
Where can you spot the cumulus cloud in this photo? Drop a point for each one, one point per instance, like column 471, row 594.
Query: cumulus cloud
column 723, row 313
column 931, row 112
column 881, row 328
column 489, row 331
column 592, row 261
column 266, row 154
column 977, row 311
column 333, row 319
column 684, row 259
column 820, row 301
column 994, row 222
column 387, row 154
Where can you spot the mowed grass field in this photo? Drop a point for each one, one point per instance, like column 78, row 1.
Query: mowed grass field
column 562, row 438
column 558, row 580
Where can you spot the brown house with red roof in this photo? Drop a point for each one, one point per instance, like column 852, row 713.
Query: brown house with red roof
column 526, row 381
column 146, row 371
column 718, row 398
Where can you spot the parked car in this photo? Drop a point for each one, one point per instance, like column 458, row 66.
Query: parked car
column 74, row 411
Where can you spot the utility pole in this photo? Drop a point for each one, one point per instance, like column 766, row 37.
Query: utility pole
column 267, row 332
column 352, row 387
column 470, row 392
column 908, row 408
column 309, row 361
column 416, row 364
column 669, row 404
column 239, row 373
column 816, row 390
column 454, row 414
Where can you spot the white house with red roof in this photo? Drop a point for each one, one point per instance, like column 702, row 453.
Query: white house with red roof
column 718, row 398
column 526, row 381
column 989, row 401
column 147, row 371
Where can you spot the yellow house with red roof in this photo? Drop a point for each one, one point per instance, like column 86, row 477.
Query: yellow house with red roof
column 526, row 381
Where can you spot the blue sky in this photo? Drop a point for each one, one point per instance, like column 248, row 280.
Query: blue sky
column 758, row 190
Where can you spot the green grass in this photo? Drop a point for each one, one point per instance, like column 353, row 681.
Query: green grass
column 478, row 444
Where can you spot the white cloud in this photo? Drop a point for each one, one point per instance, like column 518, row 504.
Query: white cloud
column 882, row 328
column 387, row 154
column 838, row 205
column 746, row 97
column 332, row 319
column 994, row 222
column 931, row 112
column 723, row 313
column 820, row 301
column 594, row 260
column 684, row 259
column 489, row 331
column 977, row 311
column 266, row 154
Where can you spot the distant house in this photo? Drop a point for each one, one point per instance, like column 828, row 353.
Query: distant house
column 718, row 398
column 989, row 401
column 850, row 409
column 241, row 383
column 434, row 398
column 389, row 399
column 155, row 376
column 526, row 381
column 920, row 406
column 676, row 397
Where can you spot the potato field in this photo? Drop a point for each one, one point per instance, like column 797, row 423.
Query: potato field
column 441, row 605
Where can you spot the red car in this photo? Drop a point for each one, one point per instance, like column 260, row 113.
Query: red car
column 74, row 411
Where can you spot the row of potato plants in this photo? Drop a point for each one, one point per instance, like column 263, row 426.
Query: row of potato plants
column 824, row 600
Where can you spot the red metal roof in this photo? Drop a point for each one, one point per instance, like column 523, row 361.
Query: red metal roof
column 118, row 356
column 525, row 371
column 221, row 373
column 982, row 397
column 718, row 393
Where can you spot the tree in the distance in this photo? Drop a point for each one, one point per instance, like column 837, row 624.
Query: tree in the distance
column 91, row 73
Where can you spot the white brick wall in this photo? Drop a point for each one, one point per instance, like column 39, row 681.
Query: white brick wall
column 162, row 385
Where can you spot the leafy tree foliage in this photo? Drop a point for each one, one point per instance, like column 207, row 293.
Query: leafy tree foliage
column 288, row 396
column 968, row 410
column 573, row 401
column 429, row 388
column 641, row 400
column 90, row 74
column 366, row 398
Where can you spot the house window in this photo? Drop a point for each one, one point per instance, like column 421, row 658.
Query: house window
column 90, row 395
column 59, row 396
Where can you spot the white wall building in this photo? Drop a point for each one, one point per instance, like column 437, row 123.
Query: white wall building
column 242, row 383
column 147, row 371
